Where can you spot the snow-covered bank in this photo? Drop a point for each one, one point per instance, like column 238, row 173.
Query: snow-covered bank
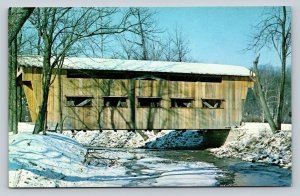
column 164, row 139
column 54, row 160
column 51, row 160
column 254, row 142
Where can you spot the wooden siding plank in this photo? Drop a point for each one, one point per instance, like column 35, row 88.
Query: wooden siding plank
column 31, row 101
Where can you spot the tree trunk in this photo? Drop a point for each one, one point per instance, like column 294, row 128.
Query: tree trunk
column 262, row 99
column 39, row 30
column 19, row 103
column 132, row 103
column 47, row 71
column 283, row 70
column 143, row 41
column 16, row 20
column 19, row 87
column 41, row 118
column 61, row 121
column 13, row 114
column 10, row 78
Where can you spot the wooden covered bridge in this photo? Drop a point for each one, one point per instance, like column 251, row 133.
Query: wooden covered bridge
column 138, row 95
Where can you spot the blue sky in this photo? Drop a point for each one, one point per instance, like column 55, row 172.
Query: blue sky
column 217, row 34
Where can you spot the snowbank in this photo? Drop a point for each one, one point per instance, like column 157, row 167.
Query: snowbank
column 108, row 138
column 176, row 139
column 166, row 139
column 54, row 160
column 25, row 127
column 255, row 142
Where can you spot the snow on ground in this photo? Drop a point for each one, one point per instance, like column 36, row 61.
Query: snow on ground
column 165, row 139
column 25, row 127
column 176, row 139
column 54, row 160
column 108, row 138
column 255, row 142
column 258, row 127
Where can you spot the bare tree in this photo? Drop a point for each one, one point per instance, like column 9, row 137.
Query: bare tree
column 141, row 35
column 61, row 30
column 176, row 47
column 269, row 77
column 13, row 118
column 127, row 48
column 287, row 107
column 274, row 31
column 145, row 41
column 260, row 93
column 16, row 19
column 156, row 50
column 180, row 44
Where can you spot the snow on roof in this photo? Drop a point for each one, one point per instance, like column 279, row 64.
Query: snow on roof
column 141, row 66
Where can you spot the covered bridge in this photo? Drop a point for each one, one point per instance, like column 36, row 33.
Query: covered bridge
column 133, row 94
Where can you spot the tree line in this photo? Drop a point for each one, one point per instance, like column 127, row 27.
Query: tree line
column 270, row 76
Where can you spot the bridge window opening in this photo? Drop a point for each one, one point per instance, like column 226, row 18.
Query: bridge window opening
column 213, row 103
column 110, row 101
column 182, row 102
column 151, row 102
column 80, row 101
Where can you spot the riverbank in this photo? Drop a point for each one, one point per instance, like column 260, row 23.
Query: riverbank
column 54, row 160
column 254, row 142
column 164, row 139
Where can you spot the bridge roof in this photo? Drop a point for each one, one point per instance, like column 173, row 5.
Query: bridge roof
column 140, row 66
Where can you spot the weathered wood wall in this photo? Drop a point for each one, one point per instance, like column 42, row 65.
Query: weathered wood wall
column 232, row 89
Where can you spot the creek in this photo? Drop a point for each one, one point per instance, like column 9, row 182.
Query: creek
column 172, row 168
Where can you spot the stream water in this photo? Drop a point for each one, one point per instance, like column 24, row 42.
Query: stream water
column 153, row 168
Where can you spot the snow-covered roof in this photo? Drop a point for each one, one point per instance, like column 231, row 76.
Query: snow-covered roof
column 141, row 66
